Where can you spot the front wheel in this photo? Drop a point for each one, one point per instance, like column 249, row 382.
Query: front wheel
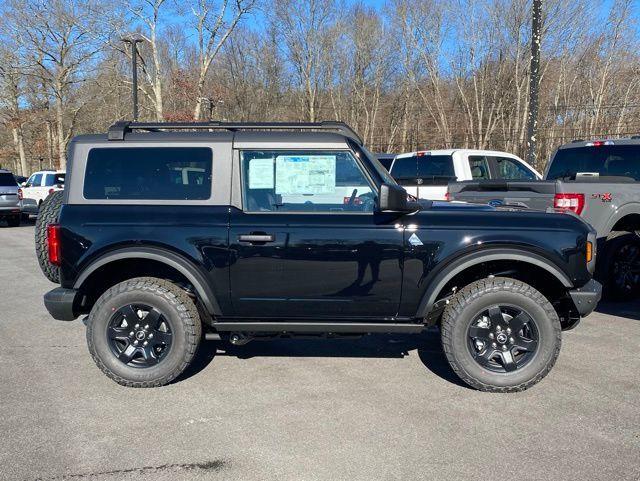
column 144, row 332
column 500, row 335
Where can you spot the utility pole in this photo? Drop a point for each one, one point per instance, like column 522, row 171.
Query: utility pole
column 534, row 82
column 134, row 41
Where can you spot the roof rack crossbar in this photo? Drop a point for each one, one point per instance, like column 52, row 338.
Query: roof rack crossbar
column 118, row 130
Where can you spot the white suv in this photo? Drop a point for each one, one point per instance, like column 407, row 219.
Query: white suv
column 426, row 174
column 38, row 187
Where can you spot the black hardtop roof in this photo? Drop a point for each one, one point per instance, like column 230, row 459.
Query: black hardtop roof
column 122, row 130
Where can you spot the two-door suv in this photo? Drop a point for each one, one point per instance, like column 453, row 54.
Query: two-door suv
column 168, row 233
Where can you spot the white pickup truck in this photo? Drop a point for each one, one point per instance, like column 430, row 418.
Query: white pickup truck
column 426, row 174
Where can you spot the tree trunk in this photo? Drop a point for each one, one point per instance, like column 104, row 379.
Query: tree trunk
column 62, row 160
column 18, row 142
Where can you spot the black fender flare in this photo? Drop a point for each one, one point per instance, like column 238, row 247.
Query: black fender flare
column 453, row 268
column 180, row 263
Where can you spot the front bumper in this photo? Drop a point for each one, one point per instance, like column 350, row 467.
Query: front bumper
column 586, row 298
column 61, row 303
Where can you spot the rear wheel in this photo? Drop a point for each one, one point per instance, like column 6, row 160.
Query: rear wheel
column 49, row 213
column 143, row 332
column 622, row 259
column 500, row 335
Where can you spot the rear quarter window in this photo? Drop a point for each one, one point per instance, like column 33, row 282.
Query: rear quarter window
column 149, row 173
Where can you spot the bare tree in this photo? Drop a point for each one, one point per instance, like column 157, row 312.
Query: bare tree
column 59, row 40
column 213, row 30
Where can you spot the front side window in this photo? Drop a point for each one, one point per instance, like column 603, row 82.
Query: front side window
column 35, row 180
column 304, row 181
column 149, row 173
column 479, row 167
column 510, row 169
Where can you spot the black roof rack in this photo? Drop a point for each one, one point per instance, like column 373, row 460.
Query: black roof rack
column 118, row 130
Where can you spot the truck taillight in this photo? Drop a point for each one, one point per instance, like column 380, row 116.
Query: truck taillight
column 572, row 202
column 20, row 194
column 53, row 244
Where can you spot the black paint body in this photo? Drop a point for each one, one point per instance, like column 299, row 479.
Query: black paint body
column 338, row 266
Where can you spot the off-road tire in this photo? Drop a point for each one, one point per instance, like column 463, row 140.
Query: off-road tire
column 615, row 242
column 461, row 312
column 179, row 310
column 14, row 221
column 49, row 213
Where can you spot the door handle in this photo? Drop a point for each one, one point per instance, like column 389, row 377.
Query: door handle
column 255, row 238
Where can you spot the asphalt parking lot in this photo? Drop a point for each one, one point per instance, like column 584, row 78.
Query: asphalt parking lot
column 375, row 408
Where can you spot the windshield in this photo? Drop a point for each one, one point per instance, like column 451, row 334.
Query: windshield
column 7, row 179
column 379, row 168
column 606, row 160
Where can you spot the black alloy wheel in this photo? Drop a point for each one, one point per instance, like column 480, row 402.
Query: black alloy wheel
column 625, row 269
column 503, row 338
column 139, row 335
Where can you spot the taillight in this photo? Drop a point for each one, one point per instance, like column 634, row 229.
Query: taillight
column 599, row 143
column 51, row 191
column 53, row 244
column 447, row 196
column 20, row 194
column 572, row 202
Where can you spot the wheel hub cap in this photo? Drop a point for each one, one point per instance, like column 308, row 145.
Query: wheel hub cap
column 503, row 338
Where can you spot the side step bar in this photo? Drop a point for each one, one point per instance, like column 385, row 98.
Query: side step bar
column 300, row 327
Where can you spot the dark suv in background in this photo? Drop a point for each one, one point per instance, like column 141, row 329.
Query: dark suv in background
column 10, row 199
column 167, row 233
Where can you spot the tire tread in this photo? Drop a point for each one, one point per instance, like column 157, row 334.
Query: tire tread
column 475, row 290
column 183, row 304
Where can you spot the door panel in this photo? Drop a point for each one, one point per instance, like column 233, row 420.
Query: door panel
column 317, row 266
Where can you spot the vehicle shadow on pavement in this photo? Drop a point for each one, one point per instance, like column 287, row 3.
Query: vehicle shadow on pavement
column 381, row 346
column 629, row 310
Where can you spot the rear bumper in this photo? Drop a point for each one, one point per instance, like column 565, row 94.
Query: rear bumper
column 10, row 211
column 587, row 297
column 61, row 302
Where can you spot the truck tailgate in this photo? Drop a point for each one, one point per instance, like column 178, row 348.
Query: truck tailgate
column 537, row 194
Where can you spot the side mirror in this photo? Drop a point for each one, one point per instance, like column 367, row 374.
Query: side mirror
column 393, row 198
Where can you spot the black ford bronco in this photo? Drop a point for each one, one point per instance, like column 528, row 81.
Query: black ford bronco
column 170, row 233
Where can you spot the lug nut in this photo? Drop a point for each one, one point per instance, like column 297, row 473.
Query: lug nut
column 491, row 336
column 494, row 345
column 137, row 326
column 131, row 334
column 145, row 343
column 504, row 348
column 146, row 326
column 511, row 340
column 135, row 343
column 151, row 336
column 498, row 328
column 508, row 330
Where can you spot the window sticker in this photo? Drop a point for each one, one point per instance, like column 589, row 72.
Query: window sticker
column 305, row 174
column 261, row 174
